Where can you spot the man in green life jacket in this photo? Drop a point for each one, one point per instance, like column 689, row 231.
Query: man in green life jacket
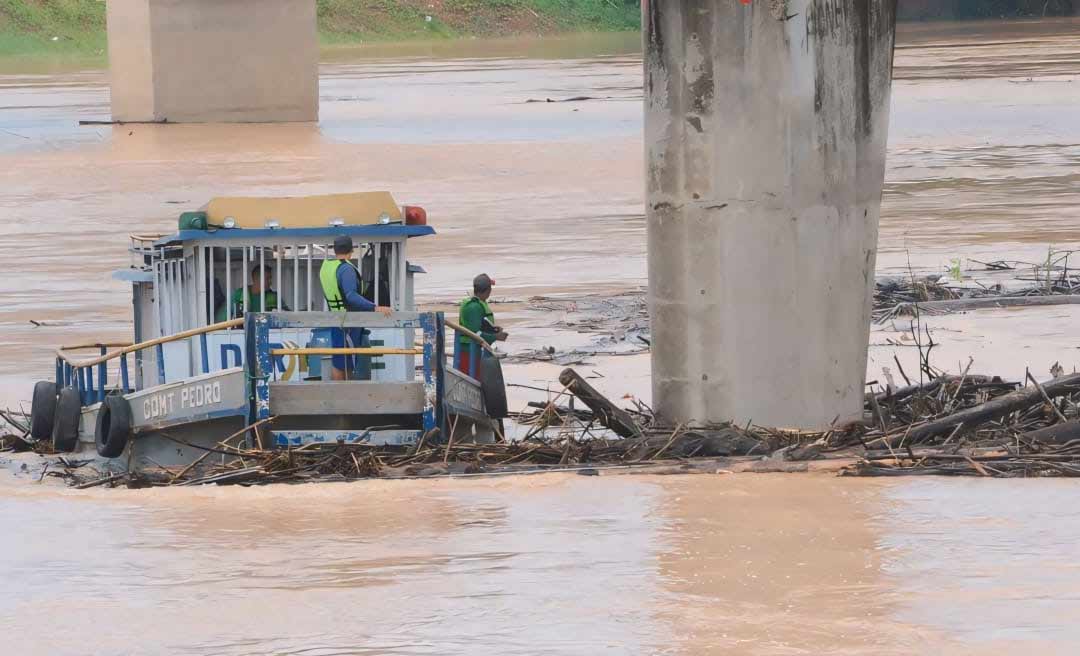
column 476, row 315
column 343, row 288
column 260, row 280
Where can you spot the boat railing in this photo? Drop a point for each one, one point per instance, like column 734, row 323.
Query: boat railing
column 80, row 373
column 90, row 375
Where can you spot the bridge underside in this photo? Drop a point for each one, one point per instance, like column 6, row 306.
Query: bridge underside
column 213, row 60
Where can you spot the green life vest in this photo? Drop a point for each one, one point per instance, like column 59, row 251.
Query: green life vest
column 488, row 314
column 331, row 290
column 254, row 301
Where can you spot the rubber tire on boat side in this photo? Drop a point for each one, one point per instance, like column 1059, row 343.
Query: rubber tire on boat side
column 65, row 431
column 113, row 426
column 42, row 410
column 493, row 387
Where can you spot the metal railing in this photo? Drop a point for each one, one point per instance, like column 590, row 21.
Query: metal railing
column 374, row 351
column 90, row 375
column 80, row 373
column 261, row 351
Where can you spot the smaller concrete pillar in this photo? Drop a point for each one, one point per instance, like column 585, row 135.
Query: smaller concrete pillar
column 213, row 60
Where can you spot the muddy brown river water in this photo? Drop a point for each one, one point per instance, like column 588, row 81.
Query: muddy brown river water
column 984, row 163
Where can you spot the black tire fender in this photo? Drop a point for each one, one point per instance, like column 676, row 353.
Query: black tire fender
column 113, row 428
column 493, row 387
column 65, row 430
column 43, row 410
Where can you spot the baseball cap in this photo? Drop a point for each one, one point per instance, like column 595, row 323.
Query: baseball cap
column 483, row 282
column 343, row 244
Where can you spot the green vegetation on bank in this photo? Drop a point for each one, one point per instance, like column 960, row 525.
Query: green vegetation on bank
column 77, row 27
column 980, row 9
column 63, row 27
column 51, row 26
column 357, row 20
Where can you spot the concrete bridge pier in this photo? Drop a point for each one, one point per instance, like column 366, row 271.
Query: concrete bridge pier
column 765, row 130
column 213, row 60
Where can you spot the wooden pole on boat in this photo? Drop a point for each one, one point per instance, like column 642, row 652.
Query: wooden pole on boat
column 471, row 335
column 235, row 323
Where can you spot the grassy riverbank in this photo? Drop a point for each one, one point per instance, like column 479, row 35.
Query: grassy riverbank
column 77, row 27
column 37, row 27
column 43, row 28
column 350, row 21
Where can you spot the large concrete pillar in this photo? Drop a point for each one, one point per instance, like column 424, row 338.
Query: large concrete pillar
column 765, row 130
column 213, row 60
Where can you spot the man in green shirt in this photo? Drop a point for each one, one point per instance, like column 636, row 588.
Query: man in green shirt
column 476, row 315
column 260, row 280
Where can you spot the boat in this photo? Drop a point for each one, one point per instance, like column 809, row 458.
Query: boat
column 204, row 374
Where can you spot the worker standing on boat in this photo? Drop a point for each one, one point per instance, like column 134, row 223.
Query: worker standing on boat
column 261, row 296
column 343, row 288
column 475, row 314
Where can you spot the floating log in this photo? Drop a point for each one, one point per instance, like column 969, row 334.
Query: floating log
column 563, row 410
column 9, row 417
column 611, row 416
column 993, row 409
column 930, row 387
column 561, row 100
column 101, row 481
column 1057, row 434
column 101, row 122
column 247, row 474
column 961, row 304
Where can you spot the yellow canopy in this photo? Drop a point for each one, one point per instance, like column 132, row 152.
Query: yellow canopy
column 304, row 211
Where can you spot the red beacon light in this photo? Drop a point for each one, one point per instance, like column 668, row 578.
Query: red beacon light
column 415, row 215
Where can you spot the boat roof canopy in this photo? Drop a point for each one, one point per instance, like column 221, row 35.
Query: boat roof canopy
column 367, row 232
column 368, row 215
column 304, row 211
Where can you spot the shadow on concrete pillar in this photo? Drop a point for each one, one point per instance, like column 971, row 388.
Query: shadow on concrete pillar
column 213, row 60
column 765, row 129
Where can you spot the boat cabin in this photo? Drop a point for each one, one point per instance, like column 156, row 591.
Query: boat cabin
column 264, row 255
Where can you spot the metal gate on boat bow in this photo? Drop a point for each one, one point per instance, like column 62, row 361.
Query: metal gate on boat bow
column 261, row 351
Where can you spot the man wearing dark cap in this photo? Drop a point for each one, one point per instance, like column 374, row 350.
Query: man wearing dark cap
column 261, row 296
column 343, row 288
column 476, row 315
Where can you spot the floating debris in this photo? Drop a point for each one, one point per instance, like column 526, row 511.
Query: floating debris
column 967, row 424
column 619, row 323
